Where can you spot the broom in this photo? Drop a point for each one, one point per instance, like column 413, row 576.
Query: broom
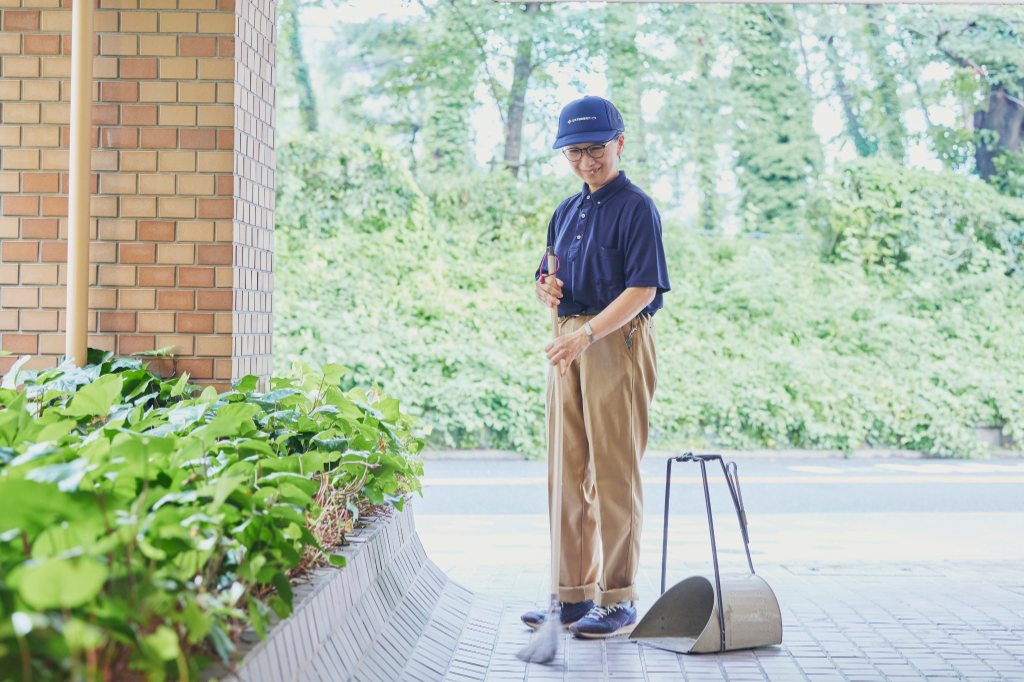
column 543, row 646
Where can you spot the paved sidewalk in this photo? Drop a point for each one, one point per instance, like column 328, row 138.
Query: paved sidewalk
column 892, row 570
column 933, row 622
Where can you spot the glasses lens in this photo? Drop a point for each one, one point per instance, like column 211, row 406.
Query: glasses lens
column 573, row 154
column 596, row 152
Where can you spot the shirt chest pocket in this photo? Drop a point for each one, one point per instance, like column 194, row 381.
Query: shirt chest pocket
column 608, row 267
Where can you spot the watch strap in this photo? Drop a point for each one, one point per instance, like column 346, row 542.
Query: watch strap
column 590, row 332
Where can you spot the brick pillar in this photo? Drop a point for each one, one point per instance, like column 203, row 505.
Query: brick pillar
column 184, row 177
column 255, row 161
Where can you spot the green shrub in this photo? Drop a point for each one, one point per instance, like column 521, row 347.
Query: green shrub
column 437, row 306
column 906, row 335
column 883, row 215
column 765, row 345
column 145, row 523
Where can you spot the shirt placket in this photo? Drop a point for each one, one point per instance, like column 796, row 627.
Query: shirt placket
column 580, row 225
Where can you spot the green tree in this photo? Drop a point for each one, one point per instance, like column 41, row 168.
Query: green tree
column 690, row 121
column 522, row 69
column 358, row 101
column 883, row 117
column 508, row 48
column 861, row 71
column 985, row 46
column 626, row 70
column 436, row 62
column 890, row 50
column 779, row 152
column 527, row 41
column 295, row 70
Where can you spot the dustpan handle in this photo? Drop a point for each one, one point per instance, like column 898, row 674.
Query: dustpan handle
column 714, row 552
column 687, row 457
column 733, row 480
column 664, row 535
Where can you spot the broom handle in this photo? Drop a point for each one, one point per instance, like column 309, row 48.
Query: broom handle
column 556, row 498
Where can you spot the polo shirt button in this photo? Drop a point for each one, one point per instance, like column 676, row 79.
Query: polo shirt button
column 579, row 236
column 583, row 215
column 588, row 196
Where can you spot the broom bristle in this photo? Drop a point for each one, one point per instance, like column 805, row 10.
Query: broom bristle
column 543, row 646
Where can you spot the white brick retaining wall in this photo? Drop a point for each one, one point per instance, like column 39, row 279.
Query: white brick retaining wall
column 390, row 615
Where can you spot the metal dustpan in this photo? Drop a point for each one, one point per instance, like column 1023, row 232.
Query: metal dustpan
column 702, row 615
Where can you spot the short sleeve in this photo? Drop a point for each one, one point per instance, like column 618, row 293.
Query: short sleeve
column 645, row 264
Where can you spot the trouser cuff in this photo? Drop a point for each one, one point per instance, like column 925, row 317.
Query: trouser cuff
column 574, row 595
column 609, row 597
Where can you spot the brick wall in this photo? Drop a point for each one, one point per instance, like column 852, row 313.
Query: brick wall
column 184, row 173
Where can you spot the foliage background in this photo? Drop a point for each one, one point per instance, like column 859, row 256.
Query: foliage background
column 827, row 293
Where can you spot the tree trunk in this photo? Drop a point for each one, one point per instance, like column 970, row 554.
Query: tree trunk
column 517, row 96
column 705, row 158
column 292, row 42
column 863, row 145
column 1004, row 118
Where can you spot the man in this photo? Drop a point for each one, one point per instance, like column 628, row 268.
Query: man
column 610, row 283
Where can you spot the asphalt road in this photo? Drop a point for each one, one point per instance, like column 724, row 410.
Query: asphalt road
column 494, row 512
column 503, row 487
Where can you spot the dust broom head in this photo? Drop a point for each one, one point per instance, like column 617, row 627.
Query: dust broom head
column 543, row 646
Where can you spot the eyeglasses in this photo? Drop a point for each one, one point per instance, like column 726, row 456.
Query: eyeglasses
column 594, row 152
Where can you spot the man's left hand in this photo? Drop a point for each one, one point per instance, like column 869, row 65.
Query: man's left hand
column 567, row 348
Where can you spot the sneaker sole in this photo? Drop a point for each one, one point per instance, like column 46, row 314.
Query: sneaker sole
column 624, row 630
column 565, row 626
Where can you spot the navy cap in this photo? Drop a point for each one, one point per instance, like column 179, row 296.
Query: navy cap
column 591, row 119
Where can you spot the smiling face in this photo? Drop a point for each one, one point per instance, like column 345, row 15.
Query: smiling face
column 598, row 172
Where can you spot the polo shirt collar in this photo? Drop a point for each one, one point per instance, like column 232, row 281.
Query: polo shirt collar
column 608, row 191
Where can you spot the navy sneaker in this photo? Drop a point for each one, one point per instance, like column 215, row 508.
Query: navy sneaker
column 605, row 621
column 570, row 614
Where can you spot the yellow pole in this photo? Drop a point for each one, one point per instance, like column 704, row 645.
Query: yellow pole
column 79, row 197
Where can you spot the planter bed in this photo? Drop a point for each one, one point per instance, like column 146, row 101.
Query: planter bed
column 390, row 614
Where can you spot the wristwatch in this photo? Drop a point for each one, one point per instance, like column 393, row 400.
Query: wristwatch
column 590, row 333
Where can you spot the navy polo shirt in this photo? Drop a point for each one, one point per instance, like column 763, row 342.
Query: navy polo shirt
column 608, row 241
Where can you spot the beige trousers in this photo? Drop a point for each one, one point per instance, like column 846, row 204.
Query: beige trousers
column 605, row 398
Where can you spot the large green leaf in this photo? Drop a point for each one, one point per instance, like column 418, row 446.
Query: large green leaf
column 331, row 444
column 179, row 386
column 184, row 417
column 333, row 373
column 389, row 408
column 96, row 398
column 246, row 384
column 283, row 586
column 66, row 475
column 163, row 643
column 31, row 506
column 59, row 583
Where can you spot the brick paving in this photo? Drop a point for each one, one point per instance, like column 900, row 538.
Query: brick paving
column 855, row 622
column 883, row 571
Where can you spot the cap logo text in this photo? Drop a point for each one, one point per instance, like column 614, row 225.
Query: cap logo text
column 583, row 118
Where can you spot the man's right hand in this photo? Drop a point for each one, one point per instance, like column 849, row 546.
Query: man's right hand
column 549, row 290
